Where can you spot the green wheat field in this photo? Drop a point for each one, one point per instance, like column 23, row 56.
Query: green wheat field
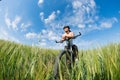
column 21, row 62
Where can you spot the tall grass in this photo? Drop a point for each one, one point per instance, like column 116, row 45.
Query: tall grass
column 100, row 64
column 21, row 62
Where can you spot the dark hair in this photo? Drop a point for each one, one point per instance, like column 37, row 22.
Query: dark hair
column 66, row 27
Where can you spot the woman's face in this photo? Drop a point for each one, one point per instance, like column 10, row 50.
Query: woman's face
column 66, row 30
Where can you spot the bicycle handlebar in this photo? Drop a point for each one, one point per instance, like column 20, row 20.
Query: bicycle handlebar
column 69, row 38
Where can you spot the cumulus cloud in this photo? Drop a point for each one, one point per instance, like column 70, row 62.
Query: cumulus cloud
column 40, row 2
column 13, row 24
column 86, row 44
column 81, row 25
column 82, row 15
column 83, row 10
column 42, row 42
column 7, row 21
column 58, row 11
column 3, row 34
column 50, row 18
column 49, row 34
column 42, row 15
column 76, row 4
column 108, row 22
column 47, row 37
column 25, row 26
column 31, row 35
column 52, row 35
column 7, row 36
column 16, row 23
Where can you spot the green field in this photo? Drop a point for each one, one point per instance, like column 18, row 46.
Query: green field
column 21, row 62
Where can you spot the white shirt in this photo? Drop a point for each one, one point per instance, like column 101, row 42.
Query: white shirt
column 71, row 42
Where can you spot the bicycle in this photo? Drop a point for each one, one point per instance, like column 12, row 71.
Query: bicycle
column 70, row 56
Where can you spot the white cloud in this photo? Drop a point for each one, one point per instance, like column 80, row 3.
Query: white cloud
column 42, row 15
column 76, row 4
column 50, row 18
column 40, row 2
column 7, row 36
column 85, row 44
column 58, row 11
column 25, row 26
column 7, row 20
column 81, row 25
column 83, row 13
column 13, row 24
column 16, row 23
column 49, row 34
column 42, row 44
column 92, row 3
column 3, row 34
column 31, row 35
column 107, row 23
column 52, row 35
column 44, row 31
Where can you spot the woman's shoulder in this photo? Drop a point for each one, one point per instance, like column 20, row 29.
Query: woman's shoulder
column 71, row 32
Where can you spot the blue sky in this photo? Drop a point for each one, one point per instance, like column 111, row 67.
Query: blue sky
column 40, row 22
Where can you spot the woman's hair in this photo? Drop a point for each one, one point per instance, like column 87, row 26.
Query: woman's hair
column 66, row 27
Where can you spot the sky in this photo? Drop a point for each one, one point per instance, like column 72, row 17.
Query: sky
column 40, row 22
